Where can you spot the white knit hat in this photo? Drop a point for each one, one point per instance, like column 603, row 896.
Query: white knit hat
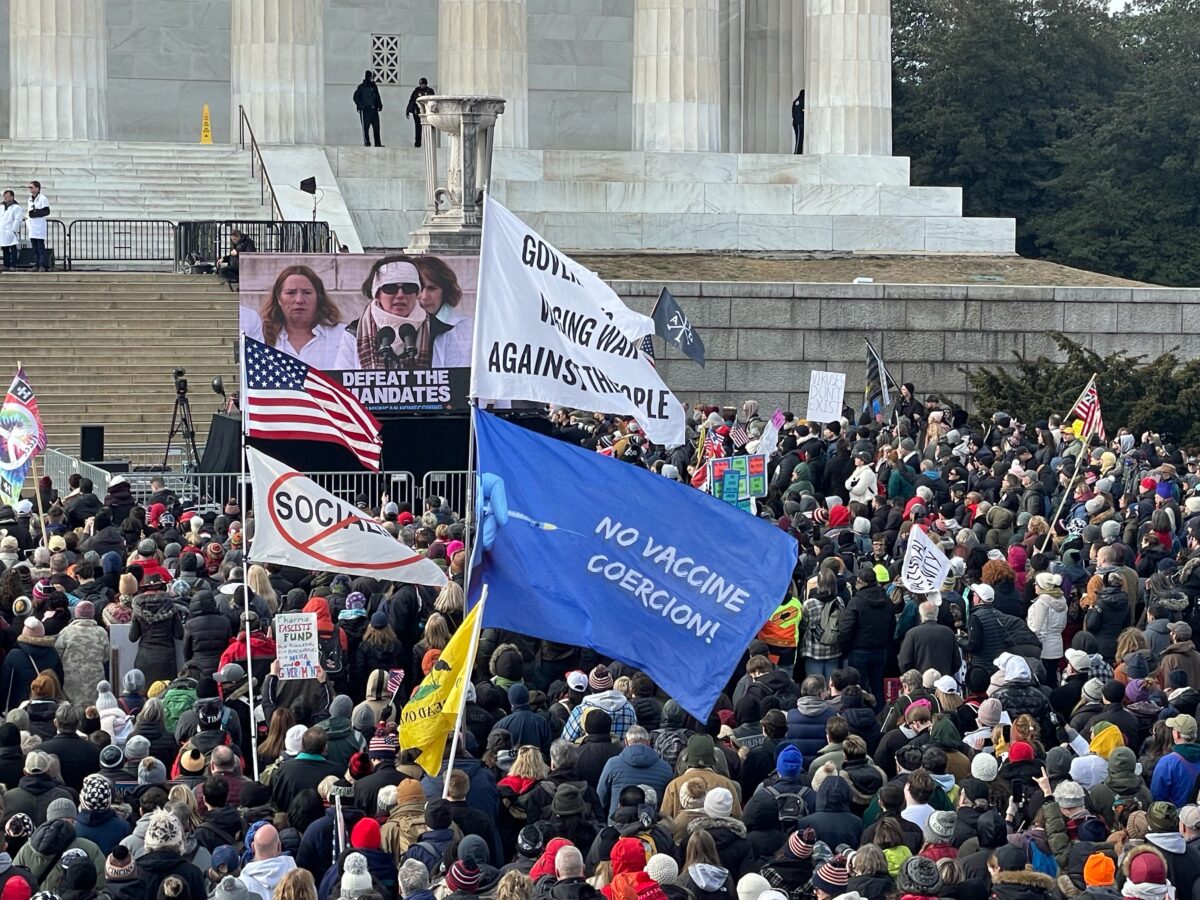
column 356, row 880
column 750, row 886
column 164, row 831
column 718, row 803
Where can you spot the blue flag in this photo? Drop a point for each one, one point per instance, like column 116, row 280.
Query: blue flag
column 582, row 549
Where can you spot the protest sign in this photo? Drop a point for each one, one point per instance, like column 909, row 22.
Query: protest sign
column 731, row 486
column 925, row 565
column 296, row 645
column 826, row 391
column 549, row 330
column 22, row 437
column 301, row 524
column 753, row 470
column 638, row 582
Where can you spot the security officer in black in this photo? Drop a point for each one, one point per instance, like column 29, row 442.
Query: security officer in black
column 369, row 104
column 421, row 90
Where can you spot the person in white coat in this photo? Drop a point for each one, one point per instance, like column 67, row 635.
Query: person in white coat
column 12, row 214
column 862, row 483
column 38, row 211
column 1047, row 618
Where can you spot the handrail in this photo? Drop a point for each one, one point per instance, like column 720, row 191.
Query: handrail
column 256, row 154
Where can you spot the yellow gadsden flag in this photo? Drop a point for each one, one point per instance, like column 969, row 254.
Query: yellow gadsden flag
column 430, row 716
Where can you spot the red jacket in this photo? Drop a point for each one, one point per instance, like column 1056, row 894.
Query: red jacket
column 261, row 647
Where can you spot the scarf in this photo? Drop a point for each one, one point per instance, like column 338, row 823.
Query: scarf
column 1146, row 891
column 375, row 318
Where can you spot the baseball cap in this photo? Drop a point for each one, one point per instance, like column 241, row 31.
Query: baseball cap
column 1183, row 723
column 984, row 592
column 577, row 681
column 229, row 673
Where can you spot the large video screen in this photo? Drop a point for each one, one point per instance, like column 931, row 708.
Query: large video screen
column 393, row 329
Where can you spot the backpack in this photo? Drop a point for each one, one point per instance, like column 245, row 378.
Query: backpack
column 830, row 619
column 670, row 743
column 789, row 806
column 1041, row 861
column 178, row 698
column 518, row 806
column 332, row 656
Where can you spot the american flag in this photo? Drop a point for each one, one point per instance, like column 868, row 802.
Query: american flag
column 1087, row 408
column 395, row 679
column 711, row 448
column 288, row 400
column 647, row 349
column 739, row 435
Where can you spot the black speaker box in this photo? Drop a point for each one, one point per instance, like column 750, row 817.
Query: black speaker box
column 91, row 443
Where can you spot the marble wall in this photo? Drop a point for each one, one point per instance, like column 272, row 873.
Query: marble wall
column 167, row 58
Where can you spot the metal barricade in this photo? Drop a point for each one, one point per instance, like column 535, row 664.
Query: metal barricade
column 61, row 466
column 121, row 240
column 209, row 240
column 452, row 487
column 56, row 241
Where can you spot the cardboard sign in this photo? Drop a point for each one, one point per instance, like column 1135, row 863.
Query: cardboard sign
column 753, row 471
column 826, row 393
column 296, row 644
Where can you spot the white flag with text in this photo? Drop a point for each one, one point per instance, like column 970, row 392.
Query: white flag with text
column 549, row 330
column 925, row 565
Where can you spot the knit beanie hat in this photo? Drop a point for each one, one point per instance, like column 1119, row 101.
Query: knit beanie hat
column 383, row 743
column 105, row 698
column 750, row 886
column 1093, row 690
column 1099, row 870
column 413, row 877
column 120, row 865
column 356, row 880
column 831, row 876
column 112, row 757
column 718, row 803
column 665, row 870
column 365, row 835
column 19, row 825
column 1068, row 794
column 1162, row 816
column 800, row 843
column 33, row 628
column 137, row 748
column 151, row 771
column 463, row 877
column 164, row 831
column 231, row 888
column 984, row 767
column 292, row 741
column 96, row 793
column 16, row 888
column 939, row 827
column 341, row 707
column 1147, row 867
column 691, row 793
column 531, row 842
column 989, row 713
column 85, row 609
column 919, row 875
column 600, row 679
column 61, row 808
column 1088, row 771
column 1020, row 751
column 568, row 801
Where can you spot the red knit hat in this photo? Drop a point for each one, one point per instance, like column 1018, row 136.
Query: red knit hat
column 1020, row 751
column 365, row 835
column 463, row 877
column 1147, row 867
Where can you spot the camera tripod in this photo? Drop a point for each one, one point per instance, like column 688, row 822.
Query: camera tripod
column 182, row 425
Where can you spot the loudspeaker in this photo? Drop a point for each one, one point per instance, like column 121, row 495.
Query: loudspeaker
column 309, row 185
column 224, row 443
column 91, row 443
column 113, row 466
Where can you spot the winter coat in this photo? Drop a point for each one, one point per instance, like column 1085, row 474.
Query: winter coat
column 12, row 765
column 833, row 820
column 986, row 636
column 23, row 663
column 670, row 805
column 730, row 837
column 806, row 724
column 1107, row 619
column 929, row 645
column 595, row 750
column 1024, row 885
column 527, row 728
column 403, row 828
column 344, row 741
column 1181, row 655
column 33, row 795
column 1175, row 775
column 705, row 882
column 1047, row 618
column 206, row 634
column 163, row 745
column 1021, row 696
column 102, row 827
column 46, row 846
column 636, row 764
column 78, row 757
column 156, row 627
column 295, row 775
column 862, row 485
column 867, row 622
column 1121, row 781
column 157, row 865
column 83, row 648
column 120, row 500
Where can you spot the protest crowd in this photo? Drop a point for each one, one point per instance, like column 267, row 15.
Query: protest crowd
column 1024, row 730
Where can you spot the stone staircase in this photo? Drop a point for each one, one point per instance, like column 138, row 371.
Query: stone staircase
column 99, row 348
column 120, row 180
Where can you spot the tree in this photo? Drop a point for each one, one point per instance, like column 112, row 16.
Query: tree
column 1162, row 395
column 1127, row 196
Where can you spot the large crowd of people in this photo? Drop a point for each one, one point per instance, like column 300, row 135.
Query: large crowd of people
column 1027, row 732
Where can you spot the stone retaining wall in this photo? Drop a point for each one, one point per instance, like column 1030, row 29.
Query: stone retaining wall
column 762, row 340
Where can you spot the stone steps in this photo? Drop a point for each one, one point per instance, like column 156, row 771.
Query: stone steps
column 116, row 339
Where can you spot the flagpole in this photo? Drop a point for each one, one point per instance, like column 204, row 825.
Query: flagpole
column 1082, row 393
column 246, row 562
column 36, row 492
column 1079, row 467
column 462, row 703
column 469, row 511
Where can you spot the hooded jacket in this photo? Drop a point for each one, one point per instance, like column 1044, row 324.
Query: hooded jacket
column 1107, row 619
column 102, row 827
column 156, row 627
column 206, row 633
column 1175, row 775
column 1019, row 695
column 33, row 795
column 867, row 622
column 46, row 846
column 84, row 649
column 23, row 663
column 612, row 702
column 806, row 725
column 1025, row 885
column 261, row 875
column 833, row 820
column 735, row 852
column 1122, row 781
column 1181, row 655
column 635, row 764
column 1047, row 618
column 707, row 882
column 344, row 741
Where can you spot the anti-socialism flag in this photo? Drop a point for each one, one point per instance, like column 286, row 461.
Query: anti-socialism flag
column 1087, row 408
column 876, row 396
column 641, row 582
column 288, row 400
column 21, row 437
column 431, row 713
column 672, row 325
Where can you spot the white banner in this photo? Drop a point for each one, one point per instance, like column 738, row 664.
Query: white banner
column 550, row 331
column 925, row 565
column 826, row 393
column 299, row 523
column 297, row 646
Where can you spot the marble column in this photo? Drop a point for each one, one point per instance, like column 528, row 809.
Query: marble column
column 677, row 75
column 58, row 70
column 774, row 73
column 848, row 84
column 483, row 49
column 277, row 69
